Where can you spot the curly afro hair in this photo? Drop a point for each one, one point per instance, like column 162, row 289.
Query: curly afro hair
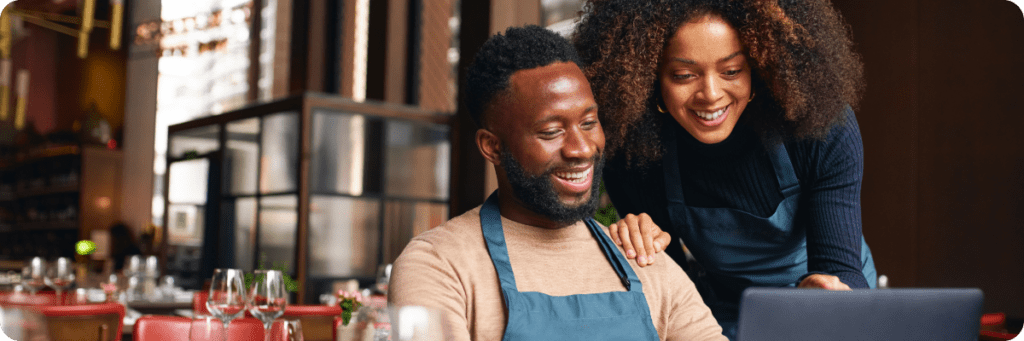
column 520, row 48
column 805, row 69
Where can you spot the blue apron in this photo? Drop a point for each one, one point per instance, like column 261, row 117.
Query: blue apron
column 735, row 249
column 536, row 316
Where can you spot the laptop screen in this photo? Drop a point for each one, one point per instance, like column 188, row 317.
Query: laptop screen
column 884, row 314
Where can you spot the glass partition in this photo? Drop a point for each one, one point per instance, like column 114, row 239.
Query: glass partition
column 376, row 175
column 338, row 153
column 241, row 156
column 417, row 159
column 196, row 141
column 279, row 159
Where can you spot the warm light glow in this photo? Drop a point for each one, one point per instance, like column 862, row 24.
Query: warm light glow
column 103, row 203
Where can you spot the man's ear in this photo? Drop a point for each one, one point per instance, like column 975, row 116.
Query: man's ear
column 489, row 145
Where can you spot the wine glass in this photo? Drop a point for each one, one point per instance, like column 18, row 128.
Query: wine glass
column 267, row 297
column 227, row 296
column 59, row 276
column 33, row 275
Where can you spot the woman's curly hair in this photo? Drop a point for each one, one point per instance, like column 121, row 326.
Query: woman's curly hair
column 805, row 69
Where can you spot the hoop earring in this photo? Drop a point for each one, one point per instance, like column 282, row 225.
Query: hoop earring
column 752, row 94
column 660, row 109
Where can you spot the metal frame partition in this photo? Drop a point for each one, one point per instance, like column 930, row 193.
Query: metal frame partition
column 327, row 188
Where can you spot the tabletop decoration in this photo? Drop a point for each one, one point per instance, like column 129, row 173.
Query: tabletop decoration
column 349, row 302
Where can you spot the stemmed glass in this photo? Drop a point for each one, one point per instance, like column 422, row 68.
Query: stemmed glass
column 227, row 296
column 59, row 276
column 267, row 297
column 33, row 275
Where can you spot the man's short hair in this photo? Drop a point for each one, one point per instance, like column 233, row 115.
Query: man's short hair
column 520, row 48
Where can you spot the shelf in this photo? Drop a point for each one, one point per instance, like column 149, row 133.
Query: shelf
column 11, row 265
column 25, row 193
column 47, row 226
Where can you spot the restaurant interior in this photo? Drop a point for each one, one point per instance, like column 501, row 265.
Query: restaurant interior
column 146, row 143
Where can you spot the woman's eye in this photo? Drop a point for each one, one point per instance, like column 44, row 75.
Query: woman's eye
column 682, row 77
column 732, row 73
column 589, row 124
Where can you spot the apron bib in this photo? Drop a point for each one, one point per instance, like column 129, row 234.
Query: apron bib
column 536, row 316
column 735, row 249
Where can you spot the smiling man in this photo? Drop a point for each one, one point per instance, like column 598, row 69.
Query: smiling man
column 530, row 264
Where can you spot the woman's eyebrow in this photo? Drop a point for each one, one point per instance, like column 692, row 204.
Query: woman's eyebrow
column 690, row 61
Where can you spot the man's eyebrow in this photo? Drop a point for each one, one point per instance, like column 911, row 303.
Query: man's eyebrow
column 690, row 61
column 592, row 108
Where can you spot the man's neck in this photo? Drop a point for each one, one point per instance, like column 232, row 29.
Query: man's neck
column 513, row 209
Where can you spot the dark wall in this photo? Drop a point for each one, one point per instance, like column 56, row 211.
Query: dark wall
column 943, row 195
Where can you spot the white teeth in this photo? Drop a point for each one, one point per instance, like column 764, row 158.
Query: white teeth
column 574, row 177
column 710, row 115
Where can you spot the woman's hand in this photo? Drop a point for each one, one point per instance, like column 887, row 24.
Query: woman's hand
column 640, row 237
column 820, row 281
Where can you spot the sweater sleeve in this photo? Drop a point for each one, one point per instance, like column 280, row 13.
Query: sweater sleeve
column 421, row 277
column 688, row 317
column 830, row 204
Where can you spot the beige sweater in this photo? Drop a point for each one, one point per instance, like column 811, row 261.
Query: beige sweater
column 449, row 268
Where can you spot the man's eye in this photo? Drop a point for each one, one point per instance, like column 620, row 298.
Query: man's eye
column 732, row 73
column 590, row 124
column 683, row 76
column 549, row 133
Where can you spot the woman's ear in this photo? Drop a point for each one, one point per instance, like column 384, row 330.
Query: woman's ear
column 489, row 145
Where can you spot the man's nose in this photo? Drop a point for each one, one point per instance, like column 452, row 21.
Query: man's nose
column 578, row 145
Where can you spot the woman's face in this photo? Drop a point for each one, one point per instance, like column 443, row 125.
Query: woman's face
column 705, row 78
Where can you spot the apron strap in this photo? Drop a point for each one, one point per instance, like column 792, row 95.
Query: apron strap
column 494, row 236
column 784, row 172
column 670, row 165
column 622, row 269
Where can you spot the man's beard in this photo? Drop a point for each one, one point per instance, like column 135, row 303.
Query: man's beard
column 538, row 194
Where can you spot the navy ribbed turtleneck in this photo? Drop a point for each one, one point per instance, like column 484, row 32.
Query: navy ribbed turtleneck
column 737, row 173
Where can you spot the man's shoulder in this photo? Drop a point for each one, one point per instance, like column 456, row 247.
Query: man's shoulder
column 455, row 234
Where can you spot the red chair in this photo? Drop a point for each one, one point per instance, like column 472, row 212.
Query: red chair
column 338, row 323
column 317, row 320
column 103, row 322
column 159, row 328
column 199, row 302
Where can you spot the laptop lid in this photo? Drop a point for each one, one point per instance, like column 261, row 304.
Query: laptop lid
column 884, row 314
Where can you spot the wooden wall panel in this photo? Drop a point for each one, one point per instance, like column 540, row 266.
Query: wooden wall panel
column 888, row 116
column 943, row 185
column 971, row 155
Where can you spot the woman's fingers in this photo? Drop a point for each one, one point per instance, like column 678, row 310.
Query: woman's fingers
column 624, row 238
column 661, row 241
column 821, row 281
column 613, row 230
column 647, row 228
column 639, row 237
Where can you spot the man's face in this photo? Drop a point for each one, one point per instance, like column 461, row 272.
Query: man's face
column 551, row 141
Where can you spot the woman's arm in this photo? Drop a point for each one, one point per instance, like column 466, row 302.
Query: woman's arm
column 830, row 206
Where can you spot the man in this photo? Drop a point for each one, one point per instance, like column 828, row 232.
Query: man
column 530, row 264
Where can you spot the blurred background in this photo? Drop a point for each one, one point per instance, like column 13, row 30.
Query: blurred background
column 319, row 136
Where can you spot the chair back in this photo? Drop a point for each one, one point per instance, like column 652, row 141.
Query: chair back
column 199, row 302
column 159, row 327
column 317, row 320
column 101, row 322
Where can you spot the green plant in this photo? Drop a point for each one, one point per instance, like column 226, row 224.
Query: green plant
column 606, row 215
column 290, row 283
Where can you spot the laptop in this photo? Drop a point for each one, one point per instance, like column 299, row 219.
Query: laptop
column 884, row 314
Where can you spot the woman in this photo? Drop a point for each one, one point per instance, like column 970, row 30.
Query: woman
column 729, row 124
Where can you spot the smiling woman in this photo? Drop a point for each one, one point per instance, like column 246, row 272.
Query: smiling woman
column 729, row 126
